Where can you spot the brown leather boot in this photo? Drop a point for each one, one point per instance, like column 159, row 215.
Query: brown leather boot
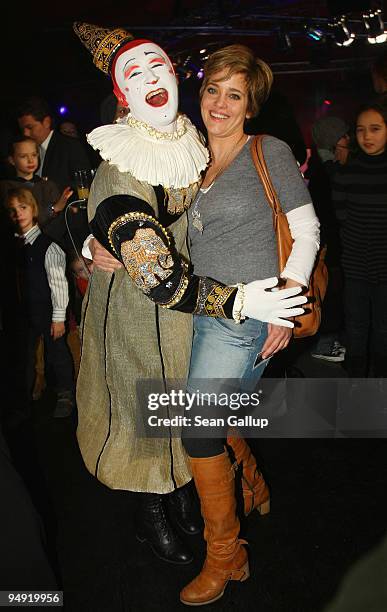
column 256, row 493
column 226, row 557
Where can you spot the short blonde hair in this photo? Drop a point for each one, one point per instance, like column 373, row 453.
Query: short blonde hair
column 238, row 59
column 20, row 140
column 26, row 197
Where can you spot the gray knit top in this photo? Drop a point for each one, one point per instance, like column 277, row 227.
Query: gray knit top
column 238, row 242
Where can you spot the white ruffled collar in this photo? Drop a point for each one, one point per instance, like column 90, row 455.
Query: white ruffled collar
column 171, row 160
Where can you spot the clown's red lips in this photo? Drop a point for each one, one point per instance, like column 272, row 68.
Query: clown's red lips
column 158, row 97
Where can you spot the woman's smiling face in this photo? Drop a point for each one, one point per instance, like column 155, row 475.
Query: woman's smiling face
column 145, row 76
column 224, row 104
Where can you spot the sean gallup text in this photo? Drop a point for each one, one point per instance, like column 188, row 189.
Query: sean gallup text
column 199, row 421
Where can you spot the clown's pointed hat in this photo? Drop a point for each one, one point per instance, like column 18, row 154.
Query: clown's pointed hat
column 103, row 43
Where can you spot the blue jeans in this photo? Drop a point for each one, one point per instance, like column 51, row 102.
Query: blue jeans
column 222, row 349
column 223, row 360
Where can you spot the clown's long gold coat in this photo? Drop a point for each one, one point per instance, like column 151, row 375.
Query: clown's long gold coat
column 126, row 338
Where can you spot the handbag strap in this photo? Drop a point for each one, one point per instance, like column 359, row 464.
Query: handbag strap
column 264, row 174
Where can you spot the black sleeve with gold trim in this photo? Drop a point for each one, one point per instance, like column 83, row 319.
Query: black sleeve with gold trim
column 111, row 209
column 127, row 227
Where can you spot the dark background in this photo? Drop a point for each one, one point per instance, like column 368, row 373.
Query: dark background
column 42, row 55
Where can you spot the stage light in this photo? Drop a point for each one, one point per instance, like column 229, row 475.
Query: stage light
column 341, row 33
column 374, row 26
column 200, row 73
column 327, row 102
column 62, row 110
column 314, row 33
column 283, row 40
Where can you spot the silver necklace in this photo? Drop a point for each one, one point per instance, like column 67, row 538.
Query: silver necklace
column 196, row 216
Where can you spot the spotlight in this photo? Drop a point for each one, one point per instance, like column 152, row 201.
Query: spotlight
column 62, row 110
column 283, row 40
column 314, row 33
column 200, row 73
column 340, row 32
column 374, row 26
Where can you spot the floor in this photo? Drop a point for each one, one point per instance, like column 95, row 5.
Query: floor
column 328, row 508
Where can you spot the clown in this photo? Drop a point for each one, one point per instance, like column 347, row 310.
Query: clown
column 144, row 74
column 137, row 324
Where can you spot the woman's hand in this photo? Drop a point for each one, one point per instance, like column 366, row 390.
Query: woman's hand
column 278, row 338
column 102, row 258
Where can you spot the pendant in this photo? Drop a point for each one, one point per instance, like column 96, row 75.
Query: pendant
column 196, row 222
column 196, row 217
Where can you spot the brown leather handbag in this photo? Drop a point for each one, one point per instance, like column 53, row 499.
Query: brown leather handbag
column 308, row 323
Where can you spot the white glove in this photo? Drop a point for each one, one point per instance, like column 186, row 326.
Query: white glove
column 269, row 306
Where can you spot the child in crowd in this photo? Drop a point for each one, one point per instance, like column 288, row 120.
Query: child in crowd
column 360, row 191
column 43, row 291
column 24, row 156
column 68, row 128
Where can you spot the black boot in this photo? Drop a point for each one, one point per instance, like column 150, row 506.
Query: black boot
column 184, row 511
column 153, row 527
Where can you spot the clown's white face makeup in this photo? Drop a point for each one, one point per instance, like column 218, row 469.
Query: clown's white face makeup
column 145, row 76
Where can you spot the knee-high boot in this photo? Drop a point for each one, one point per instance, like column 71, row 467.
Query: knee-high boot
column 226, row 557
column 255, row 490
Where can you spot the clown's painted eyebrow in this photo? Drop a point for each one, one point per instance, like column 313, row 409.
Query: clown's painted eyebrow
column 127, row 71
column 129, row 60
column 159, row 56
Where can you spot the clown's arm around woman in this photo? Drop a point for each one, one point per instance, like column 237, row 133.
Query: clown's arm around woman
column 127, row 227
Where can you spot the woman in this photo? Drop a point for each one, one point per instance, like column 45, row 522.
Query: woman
column 153, row 161
column 232, row 239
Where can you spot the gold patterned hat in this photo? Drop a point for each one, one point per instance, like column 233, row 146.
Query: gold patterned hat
column 103, row 43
